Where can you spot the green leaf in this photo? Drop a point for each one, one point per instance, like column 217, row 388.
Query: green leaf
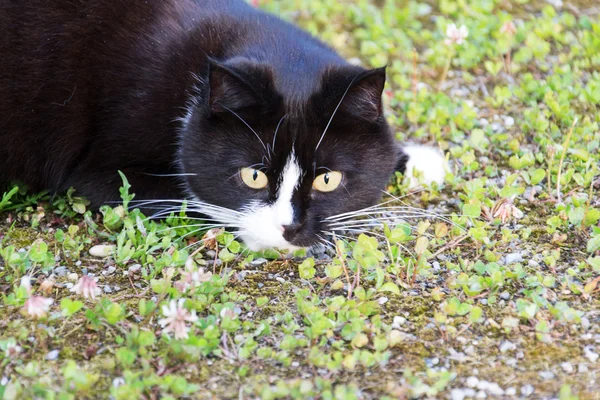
column 472, row 210
column 537, row 176
column 70, row 307
column 389, row 287
column 307, row 269
column 593, row 244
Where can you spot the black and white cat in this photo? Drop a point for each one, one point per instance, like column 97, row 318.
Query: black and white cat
column 262, row 127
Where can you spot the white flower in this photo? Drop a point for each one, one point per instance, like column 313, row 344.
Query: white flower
column 87, row 287
column 456, row 35
column 192, row 276
column 175, row 319
column 37, row 306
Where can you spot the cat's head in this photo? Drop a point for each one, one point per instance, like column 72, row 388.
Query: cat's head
column 274, row 168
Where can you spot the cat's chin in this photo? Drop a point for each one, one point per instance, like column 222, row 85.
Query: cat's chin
column 256, row 244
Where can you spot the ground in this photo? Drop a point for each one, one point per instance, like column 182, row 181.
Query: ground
column 489, row 291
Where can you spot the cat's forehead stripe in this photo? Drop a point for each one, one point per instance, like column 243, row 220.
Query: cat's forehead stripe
column 289, row 181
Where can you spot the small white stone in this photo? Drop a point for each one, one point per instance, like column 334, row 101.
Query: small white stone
column 527, row 390
column 73, row 277
column 382, row 300
column 472, row 381
column 506, row 346
column 398, row 322
column 508, row 120
column 460, row 394
column 546, row 375
column 118, row 382
column 513, row 258
column 102, row 250
column 53, row 355
column 511, row 391
column 590, row 354
column 567, row 367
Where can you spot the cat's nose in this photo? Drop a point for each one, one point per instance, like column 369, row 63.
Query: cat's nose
column 290, row 231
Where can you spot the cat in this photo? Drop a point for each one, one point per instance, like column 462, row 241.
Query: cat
column 258, row 125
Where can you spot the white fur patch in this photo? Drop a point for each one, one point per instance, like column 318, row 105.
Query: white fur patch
column 429, row 161
column 261, row 227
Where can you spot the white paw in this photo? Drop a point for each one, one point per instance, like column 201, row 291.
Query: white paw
column 428, row 162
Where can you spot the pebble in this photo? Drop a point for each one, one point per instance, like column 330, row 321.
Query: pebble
column 585, row 323
column 73, row 277
column 508, row 120
column 78, row 263
column 511, row 391
column 582, row 368
column 398, row 322
column 496, row 127
column 511, row 362
column 527, row 390
column 505, row 295
column 567, row 367
column 506, row 346
column 102, row 250
column 481, row 395
column 116, row 288
column 546, row 375
column 118, row 382
column 211, row 254
column 590, row 354
column 61, row 271
column 472, row 381
column 457, row 355
column 53, row 355
column 258, row 262
column 69, row 285
column 513, row 258
column 491, row 388
column 382, row 300
column 431, row 362
column 134, row 268
column 280, row 279
column 107, row 289
column 460, row 394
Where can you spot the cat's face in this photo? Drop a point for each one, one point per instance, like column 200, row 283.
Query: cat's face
column 275, row 169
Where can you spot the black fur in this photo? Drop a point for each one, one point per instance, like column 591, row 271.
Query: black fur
column 91, row 87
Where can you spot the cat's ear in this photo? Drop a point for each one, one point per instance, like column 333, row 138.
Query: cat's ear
column 362, row 95
column 231, row 90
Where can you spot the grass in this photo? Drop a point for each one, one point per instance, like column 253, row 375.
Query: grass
column 499, row 298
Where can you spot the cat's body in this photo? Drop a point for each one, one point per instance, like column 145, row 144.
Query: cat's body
column 203, row 89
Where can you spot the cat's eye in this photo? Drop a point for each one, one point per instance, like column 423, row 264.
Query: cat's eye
column 254, row 178
column 328, row 181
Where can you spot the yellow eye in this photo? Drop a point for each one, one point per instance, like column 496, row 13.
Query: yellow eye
column 328, row 181
column 254, row 178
